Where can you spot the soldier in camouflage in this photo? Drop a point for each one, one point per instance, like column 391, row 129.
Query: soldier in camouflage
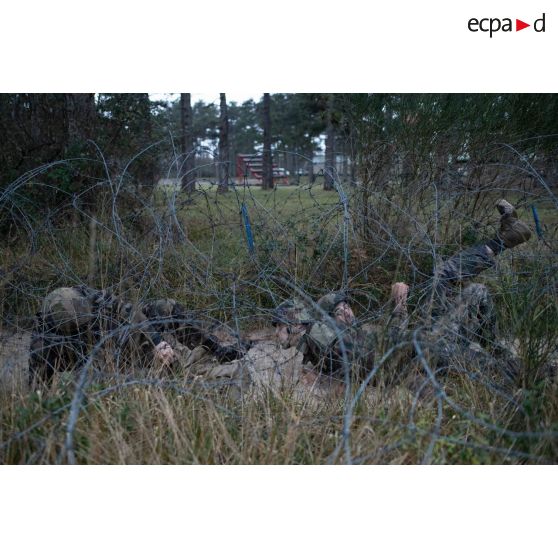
column 72, row 320
column 169, row 316
column 469, row 314
column 465, row 320
column 320, row 331
column 292, row 320
column 338, row 338
column 470, row 262
column 336, row 331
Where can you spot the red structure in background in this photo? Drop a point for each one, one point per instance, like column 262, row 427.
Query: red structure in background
column 249, row 166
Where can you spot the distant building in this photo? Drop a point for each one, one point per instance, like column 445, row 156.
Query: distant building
column 342, row 162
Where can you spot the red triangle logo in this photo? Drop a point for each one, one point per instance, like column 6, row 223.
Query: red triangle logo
column 519, row 25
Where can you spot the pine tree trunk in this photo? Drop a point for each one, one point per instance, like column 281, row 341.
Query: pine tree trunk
column 291, row 164
column 353, row 166
column 267, row 162
column 310, row 166
column 345, row 162
column 224, row 158
column 329, row 169
column 146, row 163
column 188, row 181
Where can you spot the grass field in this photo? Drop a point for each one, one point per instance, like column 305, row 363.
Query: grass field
column 196, row 251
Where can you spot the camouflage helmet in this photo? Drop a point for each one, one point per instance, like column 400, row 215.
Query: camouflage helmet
column 329, row 301
column 292, row 311
column 67, row 309
column 161, row 308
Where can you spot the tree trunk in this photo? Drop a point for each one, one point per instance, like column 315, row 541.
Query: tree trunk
column 267, row 162
column 146, row 163
column 188, row 181
column 292, row 159
column 345, row 162
column 353, row 165
column 310, row 166
column 329, row 168
column 224, row 159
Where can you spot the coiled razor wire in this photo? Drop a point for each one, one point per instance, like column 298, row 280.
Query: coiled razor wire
column 235, row 256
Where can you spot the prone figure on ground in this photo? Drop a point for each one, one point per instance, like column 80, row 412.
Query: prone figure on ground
column 467, row 319
column 171, row 318
column 331, row 337
column 73, row 321
column 314, row 329
column 328, row 334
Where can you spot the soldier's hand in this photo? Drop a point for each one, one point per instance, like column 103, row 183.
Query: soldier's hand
column 344, row 314
column 399, row 293
column 164, row 354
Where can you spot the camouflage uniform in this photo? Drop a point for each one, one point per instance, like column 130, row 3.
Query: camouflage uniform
column 168, row 315
column 73, row 319
column 322, row 342
column 329, row 349
column 464, row 321
column 467, row 326
column 293, row 312
column 328, row 346
column 471, row 262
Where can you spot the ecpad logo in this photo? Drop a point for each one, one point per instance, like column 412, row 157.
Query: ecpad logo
column 493, row 25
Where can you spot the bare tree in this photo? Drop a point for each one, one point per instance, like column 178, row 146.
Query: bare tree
column 224, row 158
column 267, row 163
column 188, row 178
column 329, row 168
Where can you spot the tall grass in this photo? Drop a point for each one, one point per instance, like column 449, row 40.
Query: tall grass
column 197, row 253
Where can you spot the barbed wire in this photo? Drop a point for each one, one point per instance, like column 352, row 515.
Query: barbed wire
column 145, row 242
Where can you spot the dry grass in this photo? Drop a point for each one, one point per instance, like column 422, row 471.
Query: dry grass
column 175, row 420
column 472, row 416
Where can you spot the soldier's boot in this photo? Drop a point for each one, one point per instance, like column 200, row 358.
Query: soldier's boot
column 513, row 231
